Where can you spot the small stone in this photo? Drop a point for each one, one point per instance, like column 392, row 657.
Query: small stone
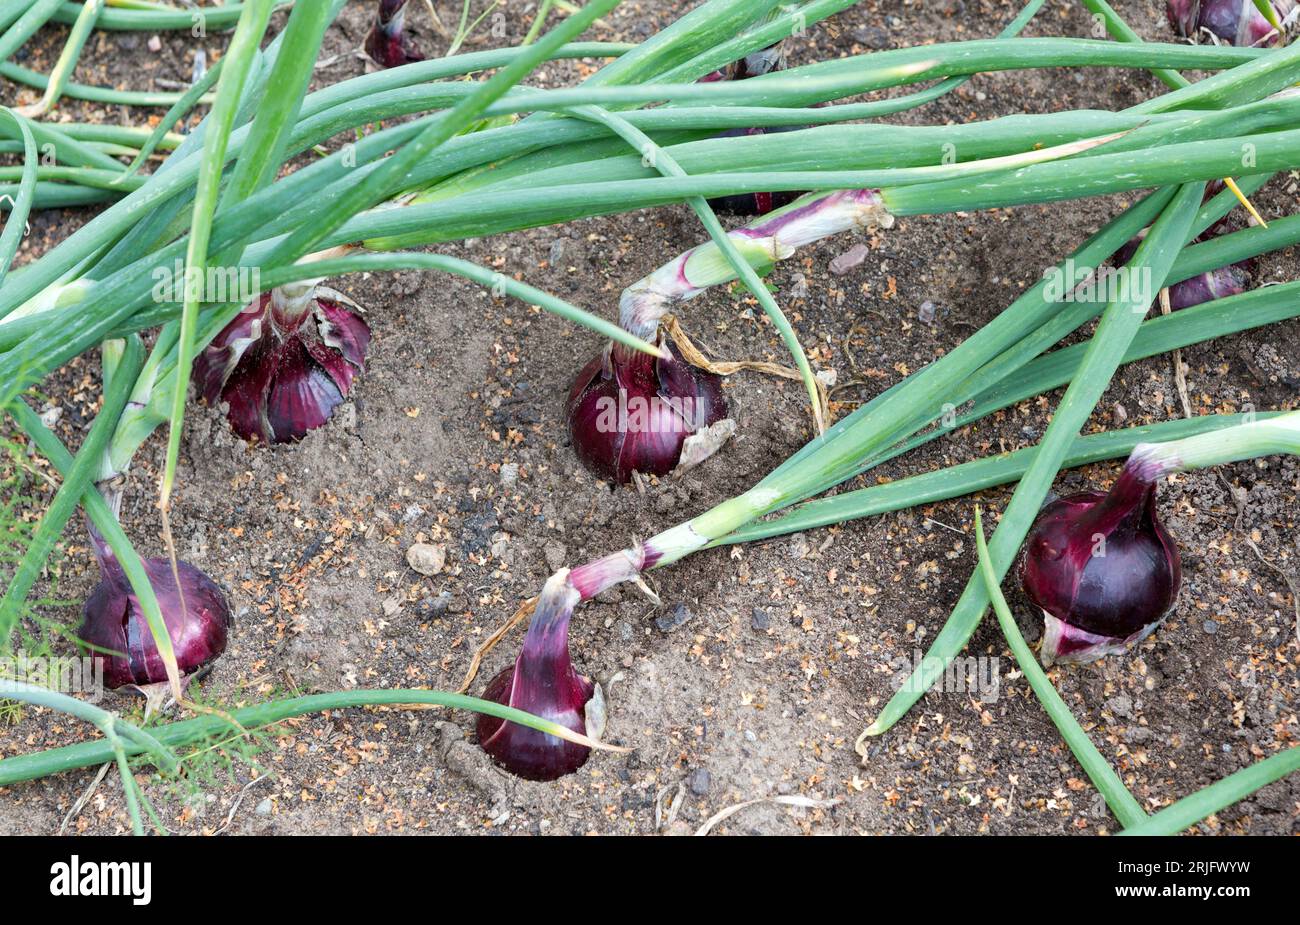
column 760, row 620
column 670, row 621
column 263, row 808
column 1120, row 705
column 853, row 257
column 925, row 314
column 435, row 606
column 509, row 476
column 799, row 547
column 427, row 558
column 555, row 555
column 500, row 545
column 392, row 606
column 699, row 781
column 557, row 251
column 155, row 44
column 1210, row 627
column 1118, row 413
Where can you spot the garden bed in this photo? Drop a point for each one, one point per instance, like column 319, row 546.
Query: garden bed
column 763, row 664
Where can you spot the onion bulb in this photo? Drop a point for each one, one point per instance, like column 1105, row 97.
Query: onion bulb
column 764, row 61
column 284, row 363
column 1102, row 568
column 629, row 411
column 1237, row 22
column 543, row 682
column 386, row 44
column 195, row 613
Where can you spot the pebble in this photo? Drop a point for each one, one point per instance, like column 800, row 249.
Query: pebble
column 1120, row 705
column 155, row 44
column 925, row 314
column 760, row 620
column 436, row 606
column 853, row 257
column 555, row 555
column 413, row 512
column 670, row 621
column 427, row 558
column 509, row 476
column 263, row 808
column 1210, row 627
column 699, row 781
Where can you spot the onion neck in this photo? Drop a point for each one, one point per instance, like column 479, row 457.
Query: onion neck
column 546, row 646
column 1249, row 440
column 290, row 303
column 763, row 242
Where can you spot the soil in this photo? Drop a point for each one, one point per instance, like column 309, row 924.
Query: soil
column 455, row 435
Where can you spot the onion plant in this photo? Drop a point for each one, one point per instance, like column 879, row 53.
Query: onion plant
column 493, row 155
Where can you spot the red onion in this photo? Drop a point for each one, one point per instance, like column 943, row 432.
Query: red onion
column 1208, row 286
column 631, row 411
column 1237, row 22
column 386, row 44
column 1204, row 287
column 660, row 430
column 1102, row 568
column 542, row 681
column 285, row 363
column 113, row 620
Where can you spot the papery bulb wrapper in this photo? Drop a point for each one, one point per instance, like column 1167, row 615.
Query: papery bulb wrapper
column 1103, row 567
column 283, row 365
column 631, row 411
column 113, row 620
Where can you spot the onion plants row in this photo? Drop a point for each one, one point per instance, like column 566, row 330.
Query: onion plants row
column 296, row 188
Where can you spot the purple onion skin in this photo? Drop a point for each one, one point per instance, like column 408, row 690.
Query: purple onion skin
column 1231, row 280
column 662, row 403
column 113, row 620
column 542, row 681
column 386, row 43
column 283, row 376
column 1208, row 286
column 1103, row 567
column 1236, row 22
